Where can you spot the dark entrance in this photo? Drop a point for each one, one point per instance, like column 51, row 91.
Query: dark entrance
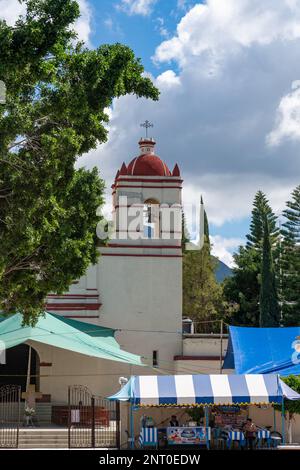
column 15, row 369
column 92, row 421
column 9, row 415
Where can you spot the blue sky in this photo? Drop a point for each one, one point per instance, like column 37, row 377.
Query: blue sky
column 144, row 33
column 229, row 109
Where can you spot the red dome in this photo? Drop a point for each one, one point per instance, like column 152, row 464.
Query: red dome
column 148, row 165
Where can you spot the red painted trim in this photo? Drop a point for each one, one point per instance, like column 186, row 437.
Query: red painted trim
column 81, row 316
column 128, row 206
column 119, row 245
column 75, row 305
column 53, row 307
column 140, row 254
column 151, row 180
column 75, row 296
column 140, row 206
column 141, row 231
column 197, row 358
column 156, row 187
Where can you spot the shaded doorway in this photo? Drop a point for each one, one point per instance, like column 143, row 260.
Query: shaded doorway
column 15, row 369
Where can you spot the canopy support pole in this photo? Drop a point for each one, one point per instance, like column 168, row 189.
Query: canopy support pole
column 206, row 426
column 221, row 347
column 131, row 427
column 282, row 422
column 28, row 370
column 274, row 418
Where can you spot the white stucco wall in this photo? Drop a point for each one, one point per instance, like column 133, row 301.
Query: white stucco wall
column 68, row 368
column 143, row 294
column 204, row 345
column 139, row 285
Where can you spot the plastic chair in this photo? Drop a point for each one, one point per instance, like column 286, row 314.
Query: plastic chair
column 276, row 439
column 148, row 437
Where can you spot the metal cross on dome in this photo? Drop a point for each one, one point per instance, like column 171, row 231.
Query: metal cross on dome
column 147, row 124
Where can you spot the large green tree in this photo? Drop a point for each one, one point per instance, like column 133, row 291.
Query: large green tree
column 261, row 210
column 290, row 261
column 291, row 407
column 203, row 299
column 268, row 299
column 243, row 287
column 55, row 111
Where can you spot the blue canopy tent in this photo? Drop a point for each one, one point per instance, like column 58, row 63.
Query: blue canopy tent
column 204, row 390
column 263, row 350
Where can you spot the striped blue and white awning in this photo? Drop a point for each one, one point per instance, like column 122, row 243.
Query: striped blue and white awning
column 191, row 390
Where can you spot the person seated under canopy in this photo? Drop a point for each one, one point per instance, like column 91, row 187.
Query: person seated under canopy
column 174, row 421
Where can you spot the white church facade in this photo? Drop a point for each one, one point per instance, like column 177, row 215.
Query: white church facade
column 136, row 286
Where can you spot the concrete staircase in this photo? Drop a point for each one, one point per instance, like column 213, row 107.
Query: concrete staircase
column 37, row 438
column 57, row 438
column 43, row 413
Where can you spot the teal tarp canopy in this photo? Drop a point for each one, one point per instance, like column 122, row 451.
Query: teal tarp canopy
column 66, row 333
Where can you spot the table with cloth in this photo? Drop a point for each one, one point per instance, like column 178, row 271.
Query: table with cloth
column 189, row 435
column 263, row 434
column 232, row 435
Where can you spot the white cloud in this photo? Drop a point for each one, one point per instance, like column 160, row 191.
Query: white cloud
column 10, row 10
column 136, row 7
column 161, row 28
column 218, row 25
column 167, row 79
column 223, row 248
column 83, row 24
column 288, row 118
column 181, row 4
column 215, row 112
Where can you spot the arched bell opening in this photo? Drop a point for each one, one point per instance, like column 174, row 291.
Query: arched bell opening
column 151, row 218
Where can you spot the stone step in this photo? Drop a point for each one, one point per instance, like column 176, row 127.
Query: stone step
column 43, row 431
column 47, row 438
column 44, row 446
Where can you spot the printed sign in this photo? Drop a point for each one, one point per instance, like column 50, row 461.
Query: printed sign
column 186, row 435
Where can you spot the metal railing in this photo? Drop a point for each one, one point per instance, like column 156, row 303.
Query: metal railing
column 9, row 415
column 92, row 421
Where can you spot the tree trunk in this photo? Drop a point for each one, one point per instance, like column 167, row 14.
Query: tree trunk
column 290, row 428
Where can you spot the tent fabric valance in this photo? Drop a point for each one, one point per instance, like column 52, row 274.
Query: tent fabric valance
column 72, row 335
column 197, row 390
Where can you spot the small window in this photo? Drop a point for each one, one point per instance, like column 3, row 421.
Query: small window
column 155, row 358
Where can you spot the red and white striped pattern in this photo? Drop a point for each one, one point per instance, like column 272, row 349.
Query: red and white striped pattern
column 75, row 305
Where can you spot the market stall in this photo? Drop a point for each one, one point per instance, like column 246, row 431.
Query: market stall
column 207, row 391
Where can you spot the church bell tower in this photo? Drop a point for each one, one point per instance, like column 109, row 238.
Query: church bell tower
column 140, row 270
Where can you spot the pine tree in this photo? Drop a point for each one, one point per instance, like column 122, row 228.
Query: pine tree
column 261, row 209
column 206, row 225
column 202, row 295
column 268, row 299
column 185, row 236
column 290, row 261
column 243, row 288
